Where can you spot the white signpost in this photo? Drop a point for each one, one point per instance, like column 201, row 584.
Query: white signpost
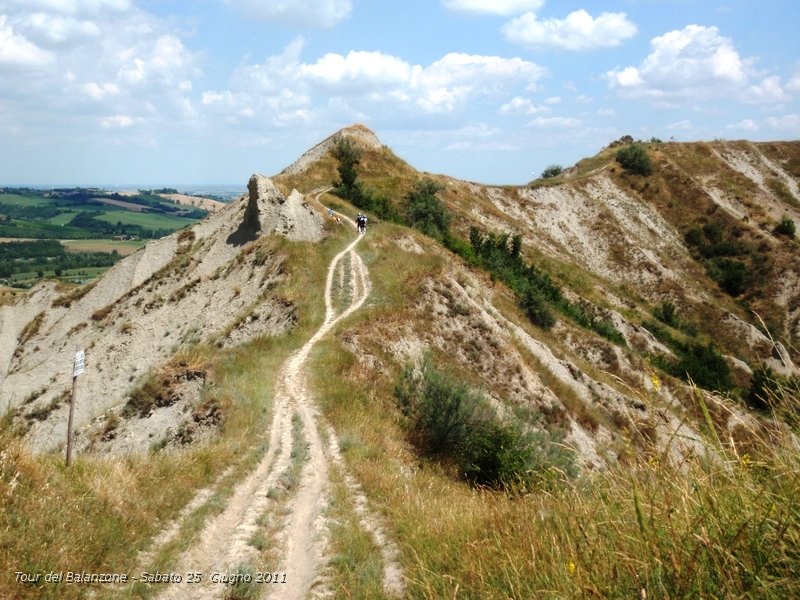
column 79, row 363
column 77, row 368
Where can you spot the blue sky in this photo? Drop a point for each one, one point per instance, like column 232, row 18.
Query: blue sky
column 209, row 91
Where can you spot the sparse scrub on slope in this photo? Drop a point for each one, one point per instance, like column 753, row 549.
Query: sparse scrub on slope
column 634, row 159
column 350, row 187
column 785, row 227
column 552, row 171
column 500, row 254
column 450, row 421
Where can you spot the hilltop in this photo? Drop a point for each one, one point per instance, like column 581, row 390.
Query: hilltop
column 603, row 330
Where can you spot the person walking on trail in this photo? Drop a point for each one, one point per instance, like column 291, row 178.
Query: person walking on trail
column 361, row 223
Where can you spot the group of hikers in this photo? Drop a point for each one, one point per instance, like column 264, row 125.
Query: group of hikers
column 361, row 220
column 361, row 223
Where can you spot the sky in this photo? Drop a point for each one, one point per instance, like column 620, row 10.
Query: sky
column 175, row 92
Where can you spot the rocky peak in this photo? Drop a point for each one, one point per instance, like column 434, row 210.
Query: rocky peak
column 360, row 134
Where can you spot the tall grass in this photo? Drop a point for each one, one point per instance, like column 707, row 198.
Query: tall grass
column 97, row 515
column 722, row 522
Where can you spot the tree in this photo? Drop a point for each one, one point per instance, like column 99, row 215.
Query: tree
column 634, row 159
column 552, row 171
column 348, row 155
column 425, row 211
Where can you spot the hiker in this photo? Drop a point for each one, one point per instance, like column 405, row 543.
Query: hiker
column 361, row 223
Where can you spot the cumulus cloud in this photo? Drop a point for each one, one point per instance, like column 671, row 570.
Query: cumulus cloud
column 360, row 81
column 684, row 125
column 694, row 63
column 794, row 84
column 66, row 7
column 494, row 7
column 100, row 61
column 578, row 31
column 745, row 125
column 788, row 124
column 553, row 122
column 303, row 13
column 522, row 106
column 17, row 51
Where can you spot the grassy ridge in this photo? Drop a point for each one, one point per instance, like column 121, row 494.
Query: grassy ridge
column 97, row 515
column 721, row 524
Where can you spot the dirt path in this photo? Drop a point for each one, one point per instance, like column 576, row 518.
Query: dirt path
column 225, row 543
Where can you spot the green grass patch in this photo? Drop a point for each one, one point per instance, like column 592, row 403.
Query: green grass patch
column 145, row 220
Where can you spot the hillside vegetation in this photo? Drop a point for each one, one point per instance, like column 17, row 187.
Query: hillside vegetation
column 585, row 386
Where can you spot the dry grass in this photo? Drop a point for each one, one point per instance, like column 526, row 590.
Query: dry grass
column 702, row 528
column 725, row 526
column 98, row 514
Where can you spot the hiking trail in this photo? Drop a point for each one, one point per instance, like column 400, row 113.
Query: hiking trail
column 299, row 523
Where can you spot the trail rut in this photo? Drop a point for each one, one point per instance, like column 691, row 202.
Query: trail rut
column 225, row 542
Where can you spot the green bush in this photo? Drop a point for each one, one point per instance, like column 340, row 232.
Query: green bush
column 705, row 366
column 634, row 159
column 552, row 171
column 453, row 423
column 348, row 155
column 424, row 211
column 441, row 409
column 785, row 227
column 536, row 309
column 491, row 453
column 731, row 275
column 667, row 313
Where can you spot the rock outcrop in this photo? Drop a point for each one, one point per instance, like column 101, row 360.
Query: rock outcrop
column 268, row 211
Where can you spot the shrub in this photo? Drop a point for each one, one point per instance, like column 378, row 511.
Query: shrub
column 453, row 423
column 634, row 159
column 440, row 408
column 536, row 309
column 763, row 383
column 667, row 313
column 731, row 275
column 348, row 155
column 705, row 366
column 492, row 453
column 785, row 227
column 552, row 171
column 424, row 211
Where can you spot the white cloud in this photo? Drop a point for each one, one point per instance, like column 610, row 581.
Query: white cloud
column 494, row 7
column 17, row 51
column 92, row 61
column 787, row 123
column 606, row 112
column 553, row 100
column 794, row 83
column 358, row 71
column 118, row 122
column 745, row 125
column 551, row 122
column 522, row 106
column 578, row 31
column 66, row 7
column 769, row 91
column 50, row 30
column 691, row 64
column 684, row 125
column 361, row 85
column 98, row 92
column 303, row 13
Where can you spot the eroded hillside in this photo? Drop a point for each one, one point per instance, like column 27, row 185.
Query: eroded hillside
column 621, row 247
column 259, row 373
column 212, row 284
